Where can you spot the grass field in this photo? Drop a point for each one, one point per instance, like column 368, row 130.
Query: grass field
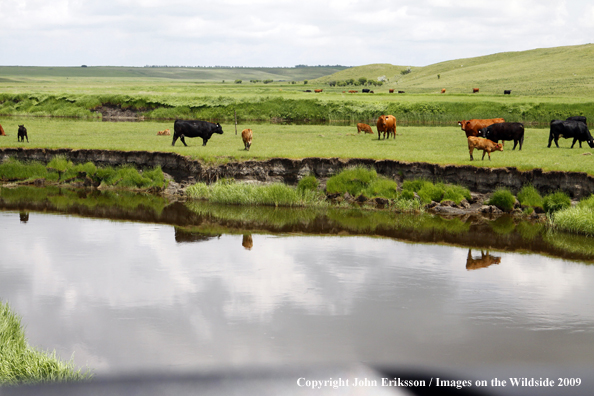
column 442, row 145
column 546, row 84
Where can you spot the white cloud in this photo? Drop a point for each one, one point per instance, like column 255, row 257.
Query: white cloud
column 281, row 33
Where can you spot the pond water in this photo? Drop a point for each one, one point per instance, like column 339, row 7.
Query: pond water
column 125, row 296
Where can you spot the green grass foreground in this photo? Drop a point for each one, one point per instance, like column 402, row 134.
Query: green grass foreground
column 441, row 145
column 22, row 363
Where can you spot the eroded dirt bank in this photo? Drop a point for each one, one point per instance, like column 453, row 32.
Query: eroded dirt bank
column 186, row 170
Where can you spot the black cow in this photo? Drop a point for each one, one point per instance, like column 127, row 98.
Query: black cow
column 365, row 90
column 570, row 129
column 507, row 92
column 194, row 128
column 505, row 131
column 577, row 118
column 22, row 134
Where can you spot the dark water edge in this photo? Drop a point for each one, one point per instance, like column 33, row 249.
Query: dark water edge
column 198, row 220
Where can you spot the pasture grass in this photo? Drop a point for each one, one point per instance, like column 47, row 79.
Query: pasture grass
column 441, row 145
column 22, row 363
column 578, row 219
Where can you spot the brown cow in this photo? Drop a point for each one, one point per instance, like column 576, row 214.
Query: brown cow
column 2, row 131
column 475, row 90
column 483, row 262
column 486, row 145
column 474, row 126
column 247, row 242
column 351, row 91
column 364, row 127
column 443, row 90
column 318, row 90
column 246, row 136
column 166, row 132
column 391, row 90
column 387, row 125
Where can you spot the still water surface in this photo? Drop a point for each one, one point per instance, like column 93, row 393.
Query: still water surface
column 128, row 297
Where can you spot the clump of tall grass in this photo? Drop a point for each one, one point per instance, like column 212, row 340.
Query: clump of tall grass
column 308, row 183
column 578, row 219
column 428, row 191
column 529, row 196
column 12, row 169
column 21, row 363
column 555, row 202
column 503, row 199
column 276, row 194
column 352, row 180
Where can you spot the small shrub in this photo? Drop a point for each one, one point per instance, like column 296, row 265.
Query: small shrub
column 431, row 192
column 456, row 193
column 529, row 196
column 503, row 199
column 556, row 201
column 308, row 183
column 352, row 180
column 407, row 195
column 382, row 187
column 414, row 185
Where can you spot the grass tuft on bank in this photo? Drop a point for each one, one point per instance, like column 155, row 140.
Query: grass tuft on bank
column 22, row 363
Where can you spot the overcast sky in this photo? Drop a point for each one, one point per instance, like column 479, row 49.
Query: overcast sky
column 282, row 32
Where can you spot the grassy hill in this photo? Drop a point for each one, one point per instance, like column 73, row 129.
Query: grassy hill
column 16, row 73
column 546, row 71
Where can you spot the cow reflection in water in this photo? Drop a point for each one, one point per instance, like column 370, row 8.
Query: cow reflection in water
column 247, row 241
column 24, row 216
column 483, row 262
column 189, row 236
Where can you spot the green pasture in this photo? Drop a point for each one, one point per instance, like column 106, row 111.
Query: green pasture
column 442, row 145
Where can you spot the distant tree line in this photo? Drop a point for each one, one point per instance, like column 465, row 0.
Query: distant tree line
column 352, row 81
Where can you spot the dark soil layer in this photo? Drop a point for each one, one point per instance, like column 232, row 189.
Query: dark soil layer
column 185, row 170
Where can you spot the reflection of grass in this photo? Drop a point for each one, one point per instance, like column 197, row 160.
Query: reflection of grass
column 21, row 363
column 277, row 217
column 503, row 225
column 276, row 194
column 528, row 230
column 64, row 198
column 570, row 242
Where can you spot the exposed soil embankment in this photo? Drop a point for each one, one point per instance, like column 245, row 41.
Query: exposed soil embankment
column 186, row 170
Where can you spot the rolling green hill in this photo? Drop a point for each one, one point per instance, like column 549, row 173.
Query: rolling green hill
column 16, row 73
column 546, row 71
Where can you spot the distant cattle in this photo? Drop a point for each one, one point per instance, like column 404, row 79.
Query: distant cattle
column 387, row 125
column 364, row 127
column 318, row 90
column 352, row 91
column 443, row 90
column 400, row 91
column 486, row 145
column 505, row 131
column 365, row 90
column 2, row 131
column 371, row 92
column 22, row 134
column 485, row 261
column 194, row 128
column 246, row 136
column 507, row 92
column 473, row 127
column 475, row 90
column 577, row 130
column 577, row 118
column 307, row 90
column 166, row 132
column 391, row 90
